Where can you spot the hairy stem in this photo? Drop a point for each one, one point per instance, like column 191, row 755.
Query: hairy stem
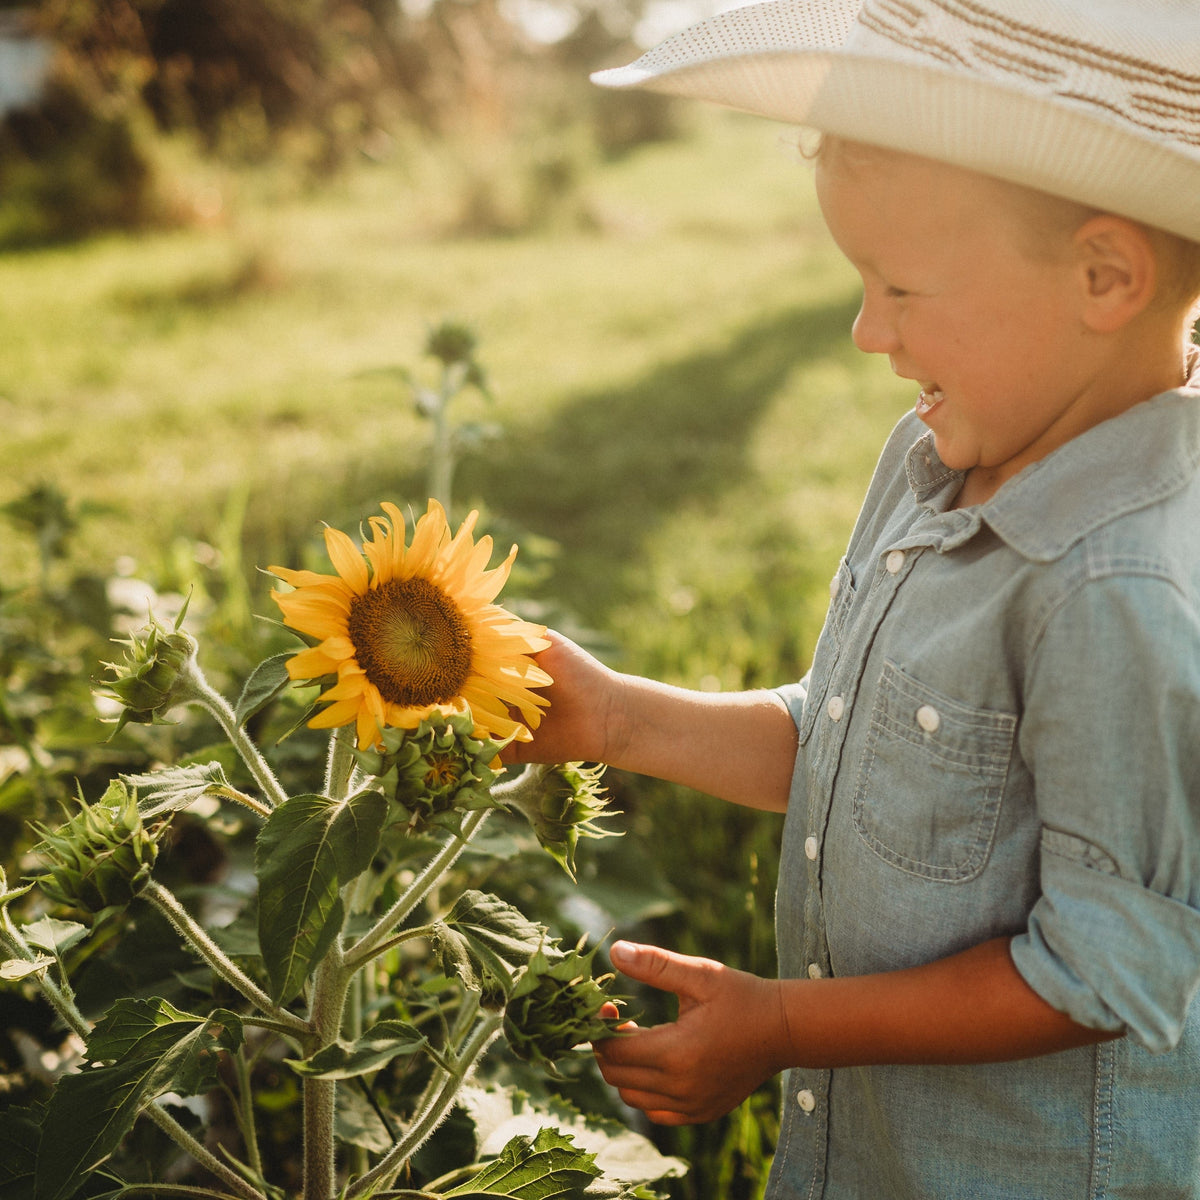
column 187, row 926
column 339, row 765
column 154, row 1190
column 529, row 780
column 245, row 1112
column 330, row 988
column 209, row 1161
column 428, row 1119
column 204, row 694
column 368, row 946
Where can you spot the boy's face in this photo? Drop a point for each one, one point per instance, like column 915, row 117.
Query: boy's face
column 956, row 296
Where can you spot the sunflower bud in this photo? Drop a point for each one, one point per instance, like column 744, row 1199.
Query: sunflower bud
column 155, row 674
column 437, row 772
column 562, row 806
column 102, row 856
column 555, row 1006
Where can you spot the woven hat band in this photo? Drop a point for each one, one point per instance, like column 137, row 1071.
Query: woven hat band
column 1054, row 52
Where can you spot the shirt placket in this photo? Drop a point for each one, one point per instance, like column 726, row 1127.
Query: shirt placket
column 807, row 1099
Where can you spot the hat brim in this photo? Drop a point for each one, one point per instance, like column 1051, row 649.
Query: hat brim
column 1047, row 142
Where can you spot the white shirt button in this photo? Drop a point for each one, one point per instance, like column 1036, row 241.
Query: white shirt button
column 811, row 848
column 835, row 586
column 836, row 708
column 929, row 718
column 814, row 970
column 806, row 1100
column 894, row 562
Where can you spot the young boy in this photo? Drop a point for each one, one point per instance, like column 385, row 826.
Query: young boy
column 988, row 911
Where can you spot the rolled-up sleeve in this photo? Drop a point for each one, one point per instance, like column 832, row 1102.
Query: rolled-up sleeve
column 794, row 696
column 1111, row 731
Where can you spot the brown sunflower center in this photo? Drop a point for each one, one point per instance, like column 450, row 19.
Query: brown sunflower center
column 412, row 641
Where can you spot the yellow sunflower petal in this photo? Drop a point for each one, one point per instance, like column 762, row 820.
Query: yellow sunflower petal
column 340, row 713
column 314, row 615
column 347, row 560
column 429, row 537
column 301, row 579
column 350, row 686
column 313, row 663
column 367, row 729
column 397, row 545
column 386, row 548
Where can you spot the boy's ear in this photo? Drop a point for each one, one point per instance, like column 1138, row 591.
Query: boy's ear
column 1118, row 271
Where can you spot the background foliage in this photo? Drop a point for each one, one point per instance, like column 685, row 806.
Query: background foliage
column 225, row 253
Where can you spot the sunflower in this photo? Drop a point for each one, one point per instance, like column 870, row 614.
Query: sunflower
column 413, row 630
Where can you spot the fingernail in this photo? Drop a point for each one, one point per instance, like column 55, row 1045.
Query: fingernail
column 623, row 954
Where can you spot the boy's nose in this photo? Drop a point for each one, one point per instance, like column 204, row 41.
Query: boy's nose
column 872, row 332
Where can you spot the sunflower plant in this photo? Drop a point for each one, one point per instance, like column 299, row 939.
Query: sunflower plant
column 353, row 973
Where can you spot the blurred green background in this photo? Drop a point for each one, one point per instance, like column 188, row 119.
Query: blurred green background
column 227, row 228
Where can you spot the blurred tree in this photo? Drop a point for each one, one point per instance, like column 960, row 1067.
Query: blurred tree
column 321, row 77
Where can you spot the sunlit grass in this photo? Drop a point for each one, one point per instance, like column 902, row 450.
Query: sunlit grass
column 673, row 372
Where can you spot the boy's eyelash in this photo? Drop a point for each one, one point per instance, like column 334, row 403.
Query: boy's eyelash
column 895, row 293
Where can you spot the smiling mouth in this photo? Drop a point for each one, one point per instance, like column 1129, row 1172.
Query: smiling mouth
column 931, row 396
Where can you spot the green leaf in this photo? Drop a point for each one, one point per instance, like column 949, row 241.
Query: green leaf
column 267, row 681
column 356, row 1123
column 14, row 969
column 357, row 829
column 308, row 849
column 376, row 1048
column 8, row 895
column 545, row 1168
column 133, row 1029
column 299, row 910
column 157, row 1049
column 484, row 938
column 176, row 788
column 626, row 1159
column 20, row 1129
column 53, row 935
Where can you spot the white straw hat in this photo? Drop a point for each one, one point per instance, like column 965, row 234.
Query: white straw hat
column 1094, row 100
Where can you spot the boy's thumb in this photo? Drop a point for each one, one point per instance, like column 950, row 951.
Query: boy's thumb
column 660, row 968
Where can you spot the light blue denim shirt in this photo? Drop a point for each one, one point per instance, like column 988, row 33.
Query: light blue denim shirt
column 1000, row 735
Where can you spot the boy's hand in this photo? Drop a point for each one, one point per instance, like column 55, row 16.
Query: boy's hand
column 583, row 721
column 730, row 1036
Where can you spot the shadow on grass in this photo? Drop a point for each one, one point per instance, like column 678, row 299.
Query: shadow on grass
column 613, row 463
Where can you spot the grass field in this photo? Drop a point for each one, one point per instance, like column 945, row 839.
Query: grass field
column 681, row 405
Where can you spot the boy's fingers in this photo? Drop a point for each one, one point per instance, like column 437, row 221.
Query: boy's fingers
column 662, row 969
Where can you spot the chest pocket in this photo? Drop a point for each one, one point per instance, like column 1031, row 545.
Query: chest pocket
column 927, row 798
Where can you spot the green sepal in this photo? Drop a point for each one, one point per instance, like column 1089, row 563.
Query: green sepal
column 555, row 1007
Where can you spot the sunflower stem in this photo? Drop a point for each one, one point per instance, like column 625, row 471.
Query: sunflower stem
column 339, row 765
column 205, row 1157
column 244, row 1112
column 187, row 926
column 428, row 1119
column 525, row 784
column 204, row 694
column 329, row 996
column 368, row 945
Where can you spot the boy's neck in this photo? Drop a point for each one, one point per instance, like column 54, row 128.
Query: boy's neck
column 1151, row 358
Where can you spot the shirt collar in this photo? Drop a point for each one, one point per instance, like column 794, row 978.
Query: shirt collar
column 1143, row 455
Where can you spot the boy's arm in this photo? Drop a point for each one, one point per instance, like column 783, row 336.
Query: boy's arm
column 738, row 746
column 736, row 1030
